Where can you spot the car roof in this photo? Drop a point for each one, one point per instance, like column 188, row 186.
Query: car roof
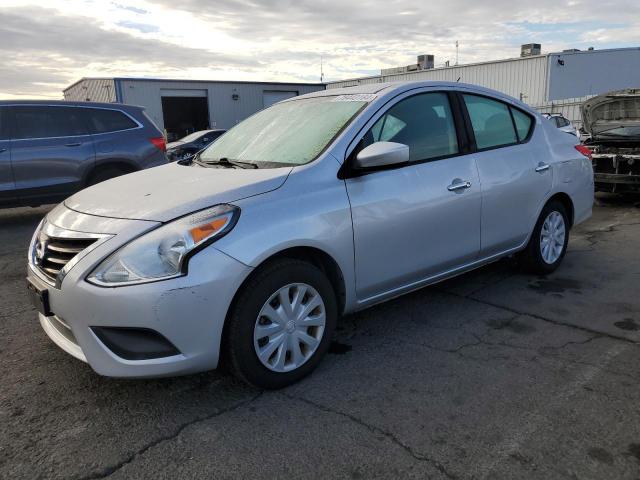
column 385, row 90
column 387, row 87
column 68, row 103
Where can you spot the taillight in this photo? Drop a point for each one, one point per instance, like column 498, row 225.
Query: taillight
column 160, row 143
column 584, row 151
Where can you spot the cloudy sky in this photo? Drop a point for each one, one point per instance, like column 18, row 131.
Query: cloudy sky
column 45, row 46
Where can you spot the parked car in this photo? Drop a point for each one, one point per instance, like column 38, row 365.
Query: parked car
column 315, row 207
column 188, row 146
column 613, row 122
column 562, row 123
column 52, row 149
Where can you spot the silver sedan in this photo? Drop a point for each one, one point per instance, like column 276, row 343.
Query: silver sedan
column 321, row 205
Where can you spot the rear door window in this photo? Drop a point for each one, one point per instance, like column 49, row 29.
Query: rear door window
column 46, row 122
column 105, row 121
column 491, row 122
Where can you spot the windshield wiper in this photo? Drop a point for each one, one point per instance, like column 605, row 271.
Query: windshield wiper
column 225, row 162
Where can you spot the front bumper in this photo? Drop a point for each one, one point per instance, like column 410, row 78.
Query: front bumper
column 616, row 182
column 616, row 172
column 188, row 311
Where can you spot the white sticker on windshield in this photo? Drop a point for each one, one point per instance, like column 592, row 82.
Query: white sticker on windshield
column 355, row 97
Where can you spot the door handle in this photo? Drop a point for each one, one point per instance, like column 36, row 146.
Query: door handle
column 72, row 144
column 542, row 167
column 2, row 150
column 458, row 185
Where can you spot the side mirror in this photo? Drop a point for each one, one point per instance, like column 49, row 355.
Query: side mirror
column 380, row 154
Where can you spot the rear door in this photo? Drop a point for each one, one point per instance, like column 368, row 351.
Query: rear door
column 7, row 185
column 121, row 139
column 50, row 151
column 514, row 175
column 420, row 219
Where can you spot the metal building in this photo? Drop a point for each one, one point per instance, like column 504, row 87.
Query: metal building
column 183, row 106
column 552, row 82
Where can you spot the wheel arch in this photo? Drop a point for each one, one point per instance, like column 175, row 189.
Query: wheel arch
column 565, row 199
column 124, row 165
column 567, row 202
column 313, row 255
column 317, row 257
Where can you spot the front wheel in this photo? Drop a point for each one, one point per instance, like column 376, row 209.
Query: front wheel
column 281, row 324
column 548, row 243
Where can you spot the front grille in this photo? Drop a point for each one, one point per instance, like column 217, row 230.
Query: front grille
column 53, row 253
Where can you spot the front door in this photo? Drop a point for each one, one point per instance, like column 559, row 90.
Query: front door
column 50, row 149
column 423, row 218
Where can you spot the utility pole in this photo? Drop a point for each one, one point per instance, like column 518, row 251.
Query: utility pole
column 321, row 72
column 457, row 52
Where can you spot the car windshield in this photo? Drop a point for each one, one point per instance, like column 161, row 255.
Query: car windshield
column 193, row 136
column 288, row 133
column 622, row 131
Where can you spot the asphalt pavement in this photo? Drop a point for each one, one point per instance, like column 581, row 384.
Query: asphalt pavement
column 495, row 374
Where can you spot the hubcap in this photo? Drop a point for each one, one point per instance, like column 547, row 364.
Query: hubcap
column 289, row 327
column 552, row 237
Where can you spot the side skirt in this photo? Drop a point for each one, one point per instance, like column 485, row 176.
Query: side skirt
column 440, row 277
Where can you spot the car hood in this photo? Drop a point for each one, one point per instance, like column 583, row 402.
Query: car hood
column 610, row 110
column 170, row 191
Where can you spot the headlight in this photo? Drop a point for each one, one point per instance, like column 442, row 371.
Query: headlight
column 163, row 252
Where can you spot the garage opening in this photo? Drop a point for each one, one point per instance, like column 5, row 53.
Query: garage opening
column 184, row 113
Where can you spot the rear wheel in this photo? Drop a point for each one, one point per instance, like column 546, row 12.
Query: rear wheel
column 281, row 324
column 548, row 243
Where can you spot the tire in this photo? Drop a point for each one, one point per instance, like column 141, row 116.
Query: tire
column 105, row 174
column 241, row 343
column 534, row 258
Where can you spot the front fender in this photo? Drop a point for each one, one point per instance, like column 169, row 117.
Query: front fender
column 312, row 212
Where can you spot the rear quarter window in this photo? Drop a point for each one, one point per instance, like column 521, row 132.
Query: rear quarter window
column 104, row 121
column 523, row 122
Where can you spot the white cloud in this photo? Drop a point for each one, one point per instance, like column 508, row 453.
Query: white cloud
column 44, row 50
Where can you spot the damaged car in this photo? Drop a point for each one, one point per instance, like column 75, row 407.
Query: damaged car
column 613, row 122
column 318, row 206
